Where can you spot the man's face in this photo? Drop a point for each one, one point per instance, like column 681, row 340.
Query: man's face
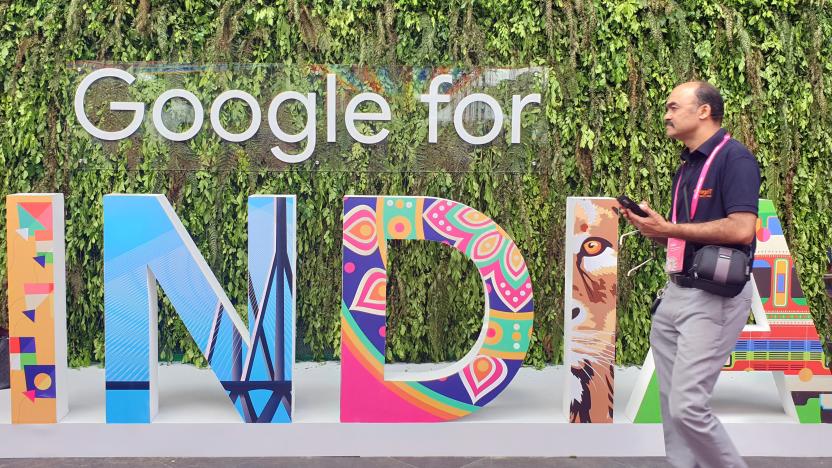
column 683, row 114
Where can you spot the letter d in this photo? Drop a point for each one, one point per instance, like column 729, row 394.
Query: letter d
column 465, row 386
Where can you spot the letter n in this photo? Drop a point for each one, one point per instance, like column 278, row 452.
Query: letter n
column 145, row 242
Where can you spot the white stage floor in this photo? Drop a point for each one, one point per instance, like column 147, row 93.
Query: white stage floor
column 196, row 419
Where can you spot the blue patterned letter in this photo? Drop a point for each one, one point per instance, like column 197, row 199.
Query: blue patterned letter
column 144, row 242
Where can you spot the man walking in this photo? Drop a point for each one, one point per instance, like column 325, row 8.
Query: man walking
column 715, row 197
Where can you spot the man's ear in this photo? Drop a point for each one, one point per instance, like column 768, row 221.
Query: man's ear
column 704, row 111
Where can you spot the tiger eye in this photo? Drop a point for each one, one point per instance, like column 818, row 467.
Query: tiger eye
column 592, row 247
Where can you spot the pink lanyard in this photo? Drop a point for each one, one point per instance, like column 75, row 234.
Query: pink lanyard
column 695, row 202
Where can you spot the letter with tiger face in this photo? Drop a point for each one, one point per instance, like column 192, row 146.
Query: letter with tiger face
column 589, row 307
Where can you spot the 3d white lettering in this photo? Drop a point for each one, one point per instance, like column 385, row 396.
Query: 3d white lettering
column 433, row 98
column 216, row 107
column 159, row 105
column 351, row 116
column 495, row 109
column 136, row 107
column 307, row 133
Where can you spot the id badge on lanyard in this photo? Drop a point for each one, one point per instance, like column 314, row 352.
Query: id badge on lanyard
column 675, row 255
column 676, row 247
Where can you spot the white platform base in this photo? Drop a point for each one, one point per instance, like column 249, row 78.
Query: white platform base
column 196, row 420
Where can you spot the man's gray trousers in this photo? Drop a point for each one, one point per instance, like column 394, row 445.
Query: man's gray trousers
column 692, row 336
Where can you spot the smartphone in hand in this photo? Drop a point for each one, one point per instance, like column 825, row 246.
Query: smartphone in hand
column 629, row 204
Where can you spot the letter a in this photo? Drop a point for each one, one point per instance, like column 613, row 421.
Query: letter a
column 783, row 341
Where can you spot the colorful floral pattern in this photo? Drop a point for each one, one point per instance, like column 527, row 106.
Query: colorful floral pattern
column 465, row 386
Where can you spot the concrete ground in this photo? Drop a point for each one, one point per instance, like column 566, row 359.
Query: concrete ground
column 362, row 462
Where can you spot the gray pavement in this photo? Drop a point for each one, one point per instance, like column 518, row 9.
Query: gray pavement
column 362, row 462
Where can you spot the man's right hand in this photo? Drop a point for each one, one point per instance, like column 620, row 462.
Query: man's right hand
column 645, row 225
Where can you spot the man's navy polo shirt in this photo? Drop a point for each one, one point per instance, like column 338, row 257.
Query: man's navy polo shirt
column 732, row 185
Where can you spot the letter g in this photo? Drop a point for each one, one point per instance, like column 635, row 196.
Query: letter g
column 136, row 107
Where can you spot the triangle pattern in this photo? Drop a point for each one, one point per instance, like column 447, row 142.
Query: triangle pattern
column 34, row 300
column 40, row 211
column 30, row 314
column 41, row 260
column 259, row 398
column 27, row 221
column 24, row 233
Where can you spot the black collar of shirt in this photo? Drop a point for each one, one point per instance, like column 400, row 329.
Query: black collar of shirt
column 704, row 149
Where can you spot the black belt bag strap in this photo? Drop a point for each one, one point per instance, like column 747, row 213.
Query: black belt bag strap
column 720, row 270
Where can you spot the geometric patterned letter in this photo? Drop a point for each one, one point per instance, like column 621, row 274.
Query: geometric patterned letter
column 465, row 386
column 783, row 340
column 589, row 308
column 144, row 242
column 37, row 307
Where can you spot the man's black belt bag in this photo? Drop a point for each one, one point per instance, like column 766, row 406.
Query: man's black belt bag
column 719, row 270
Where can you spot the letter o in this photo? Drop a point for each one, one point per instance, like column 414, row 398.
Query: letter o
column 495, row 108
column 159, row 104
column 255, row 115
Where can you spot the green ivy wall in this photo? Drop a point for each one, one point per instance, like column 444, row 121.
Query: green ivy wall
column 611, row 64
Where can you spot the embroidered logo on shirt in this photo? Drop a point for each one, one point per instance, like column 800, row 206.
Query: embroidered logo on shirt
column 706, row 193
